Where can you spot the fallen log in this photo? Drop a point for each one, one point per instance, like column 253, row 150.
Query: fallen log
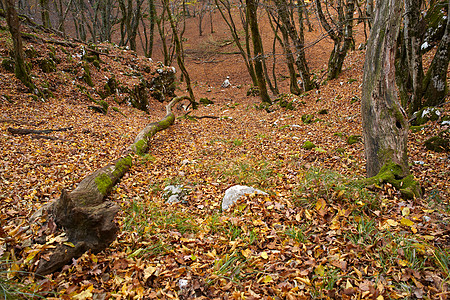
column 23, row 131
column 84, row 214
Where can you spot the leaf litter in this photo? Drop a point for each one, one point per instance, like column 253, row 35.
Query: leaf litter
column 317, row 235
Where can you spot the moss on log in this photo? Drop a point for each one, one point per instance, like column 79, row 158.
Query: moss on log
column 85, row 215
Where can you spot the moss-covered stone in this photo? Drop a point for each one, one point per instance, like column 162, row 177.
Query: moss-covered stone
column 47, row 65
column 87, row 75
column 253, row 91
column 31, row 52
column 308, row 145
column 425, row 115
column 439, row 143
column 104, row 183
column 353, row 139
column 103, row 104
column 307, row 119
column 415, row 129
column 323, row 111
column 8, row 64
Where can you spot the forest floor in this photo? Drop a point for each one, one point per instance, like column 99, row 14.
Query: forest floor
column 318, row 234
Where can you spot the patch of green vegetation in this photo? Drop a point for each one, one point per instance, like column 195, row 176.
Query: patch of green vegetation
column 307, row 119
column 140, row 147
column 323, row 111
column 353, row 139
column 339, row 150
column 297, row 233
column 237, row 142
column 229, row 267
column 308, row 145
column 122, row 165
column 355, row 99
column 350, row 80
column 205, row 101
column 415, row 129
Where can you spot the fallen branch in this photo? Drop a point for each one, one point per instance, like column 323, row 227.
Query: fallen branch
column 85, row 215
column 32, row 131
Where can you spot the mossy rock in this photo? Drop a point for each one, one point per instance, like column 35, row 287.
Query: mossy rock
column 31, row 52
column 415, row 129
column 308, row 145
column 47, row 65
column 339, row 150
column 353, row 139
column 286, row 104
column 205, row 101
column 104, row 104
column 8, row 64
column 323, row 111
column 425, row 115
column 87, row 75
column 439, row 143
column 307, row 119
column 253, row 91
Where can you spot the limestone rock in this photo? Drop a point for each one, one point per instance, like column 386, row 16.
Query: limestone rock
column 235, row 192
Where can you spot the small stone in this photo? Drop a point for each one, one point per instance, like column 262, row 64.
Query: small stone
column 235, row 192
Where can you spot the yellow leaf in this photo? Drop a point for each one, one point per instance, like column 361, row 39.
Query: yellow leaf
column 319, row 270
column 69, row 244
column 304, row 280
column 149, row 271
column 402, row 262
column 406, row 211
column 320, row 204
column 86, row 294
column 406, row 222
column 264, row 255
column 246, row 253
column 380, row 297
column 31, row 255
column 391, row 222
column 267, row 279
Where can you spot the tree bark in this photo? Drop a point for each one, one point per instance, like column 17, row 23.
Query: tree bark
column 84, row 214
column 435, row 83
column 385, row 124
column 14, row 27
column 257, row 50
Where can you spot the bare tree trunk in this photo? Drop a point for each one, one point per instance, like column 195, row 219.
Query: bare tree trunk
column 409, row 66
column 14, row 27
column 45, row 15
column 385, row 124
column 257, row 50
column 435, row 83
column 180, row 55
column 234, row 33
column 298, row 41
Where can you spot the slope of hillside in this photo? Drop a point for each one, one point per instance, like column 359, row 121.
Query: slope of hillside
column 317, row 235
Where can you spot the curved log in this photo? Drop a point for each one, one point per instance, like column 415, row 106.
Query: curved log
column 84, row 214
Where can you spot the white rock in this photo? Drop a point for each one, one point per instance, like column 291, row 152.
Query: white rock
column 183, row 283
column 235, row 192
column 226, row 83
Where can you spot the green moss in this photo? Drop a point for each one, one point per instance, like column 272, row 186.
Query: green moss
column 353, row 139
column 415, row 129
column 122, row 165
column 8, row 64
column 308, row 145
column 87, row 75
column 205, row 101
column 104, row 104
column 104, row 183
column 439, row 143
column 323, row 111
column 47, row 65
column 307, row 119
column 340, row 150
column 393, row 173
column 140, row 147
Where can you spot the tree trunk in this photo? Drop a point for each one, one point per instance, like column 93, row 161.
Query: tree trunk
column 385, row 124
column 84, row 214
column 409, row 65
column 45, row 15
column 298, row 41
column 180, row 55
column 257, row 50
column 14, row 27
column 435, row 83
column 234, row 33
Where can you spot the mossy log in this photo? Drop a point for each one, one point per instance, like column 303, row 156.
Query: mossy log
column 84, row 214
